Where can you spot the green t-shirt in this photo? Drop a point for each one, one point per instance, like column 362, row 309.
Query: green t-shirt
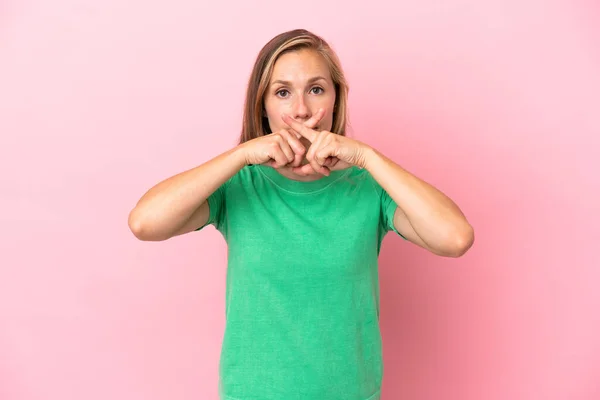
column 302, row 288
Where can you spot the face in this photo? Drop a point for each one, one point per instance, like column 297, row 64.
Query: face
column 300, row 84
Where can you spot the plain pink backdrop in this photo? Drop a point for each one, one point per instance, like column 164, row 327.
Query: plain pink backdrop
column 495, row 102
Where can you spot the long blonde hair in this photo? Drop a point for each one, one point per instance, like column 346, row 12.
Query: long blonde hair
column 255, row 123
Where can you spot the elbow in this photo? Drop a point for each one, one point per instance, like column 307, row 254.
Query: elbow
column 461, row 241
column 136, row 226
column 140, row 228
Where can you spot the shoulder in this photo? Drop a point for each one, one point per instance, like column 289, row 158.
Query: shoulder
column 358, row 174
column 360, row 177
column 245, row 179
column 247, row 173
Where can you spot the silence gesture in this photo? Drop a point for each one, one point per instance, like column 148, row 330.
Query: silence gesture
column 282, row 148
column 328, row 151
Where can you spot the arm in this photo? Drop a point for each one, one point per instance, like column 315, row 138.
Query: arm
column 425, row 216
column 178, row 204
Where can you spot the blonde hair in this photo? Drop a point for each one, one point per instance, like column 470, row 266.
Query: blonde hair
column 255, row 123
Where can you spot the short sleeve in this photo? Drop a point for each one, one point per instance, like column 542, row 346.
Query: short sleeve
column 388, row 209
column 216, row 208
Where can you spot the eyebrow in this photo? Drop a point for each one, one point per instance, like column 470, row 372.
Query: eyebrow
column 287, row 83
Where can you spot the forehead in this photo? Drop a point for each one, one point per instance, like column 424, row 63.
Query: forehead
column 300, row 65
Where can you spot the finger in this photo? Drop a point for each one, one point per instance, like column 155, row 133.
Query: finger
column 339, row 165
column 297, row 160
column 283, row 141
column 324, row 153
column 317, row 164
column 330, row 162
column 295, row 144
column 315, row 119
column 318, row 168
column 278, row 156
column 304, row 170
column 317, row 161
column 300, row 128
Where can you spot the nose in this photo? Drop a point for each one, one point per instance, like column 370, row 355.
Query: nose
column 301, row 111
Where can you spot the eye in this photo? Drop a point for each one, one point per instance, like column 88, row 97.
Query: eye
column 281, row 93
column 319, row 90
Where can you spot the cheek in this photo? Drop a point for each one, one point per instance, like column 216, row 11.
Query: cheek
column 273, row 114
column 329, row 122
column 274, row 109
column 274, row 117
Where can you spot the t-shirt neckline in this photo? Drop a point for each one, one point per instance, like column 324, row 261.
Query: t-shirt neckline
column 295, row 186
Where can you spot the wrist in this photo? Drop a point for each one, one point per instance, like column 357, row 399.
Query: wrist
column 369, row 154
column 240, row 154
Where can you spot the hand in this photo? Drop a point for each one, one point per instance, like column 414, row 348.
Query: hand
column 279, row 149
column 328, row 151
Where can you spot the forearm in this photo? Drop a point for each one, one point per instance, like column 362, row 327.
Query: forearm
column 167, row 206
column 434, row 217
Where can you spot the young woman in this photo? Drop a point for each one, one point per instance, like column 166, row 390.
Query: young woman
column 304, row 210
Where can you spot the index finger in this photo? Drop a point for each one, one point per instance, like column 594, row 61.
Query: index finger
column 315, row 119
column 302, row 129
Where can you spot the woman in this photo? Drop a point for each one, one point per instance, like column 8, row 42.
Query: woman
column 304, row 210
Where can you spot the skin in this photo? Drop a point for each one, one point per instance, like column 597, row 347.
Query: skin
column 301, row 86
column 299, row 105
column 301, row 98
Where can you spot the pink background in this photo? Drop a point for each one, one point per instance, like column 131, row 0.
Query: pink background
column 495, row 102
